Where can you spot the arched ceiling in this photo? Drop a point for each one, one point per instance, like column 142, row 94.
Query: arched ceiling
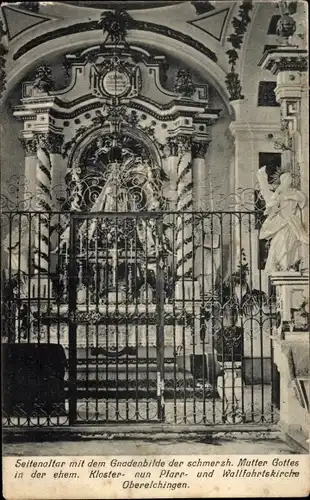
column 196, row 39
column 123, row 5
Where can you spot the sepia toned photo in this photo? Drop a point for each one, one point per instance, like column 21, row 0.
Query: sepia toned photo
column 154, row 249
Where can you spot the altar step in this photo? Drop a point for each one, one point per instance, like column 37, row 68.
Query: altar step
column 143, row 389
column 134, row 379
column 130, row 352
column 132, row 370
column 133, row 373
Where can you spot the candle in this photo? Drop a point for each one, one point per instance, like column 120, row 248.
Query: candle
column 66, row 253
column 114, row 268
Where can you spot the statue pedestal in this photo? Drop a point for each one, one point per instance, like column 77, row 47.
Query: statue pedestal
column 229, row 387
column 291, row 354
column 292, row 292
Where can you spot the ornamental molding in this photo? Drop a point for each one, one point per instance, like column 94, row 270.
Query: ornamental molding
column 290, row 113
column 119, row 120
column 134, row 25
column 289, row 278
column 253, row 131
column 279, row 60
column 165, row 112
column 288, row 92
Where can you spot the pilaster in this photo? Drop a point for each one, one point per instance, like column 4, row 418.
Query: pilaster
column 250, row 139
column 290, row 64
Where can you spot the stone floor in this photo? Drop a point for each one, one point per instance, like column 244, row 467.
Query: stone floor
column 215, row 444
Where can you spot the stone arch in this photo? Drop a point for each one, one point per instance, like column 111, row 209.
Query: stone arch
column 96, row 132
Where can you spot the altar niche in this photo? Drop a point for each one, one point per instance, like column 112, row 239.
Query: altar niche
column 115, row 173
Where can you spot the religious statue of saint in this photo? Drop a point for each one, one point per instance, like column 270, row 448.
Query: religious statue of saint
column 283, row 226
column 126, row 181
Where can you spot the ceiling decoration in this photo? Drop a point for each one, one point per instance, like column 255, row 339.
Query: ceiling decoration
column 235, row 39
column 136, row 25
column 18, row 21
column 212, row 23
column 122, row 5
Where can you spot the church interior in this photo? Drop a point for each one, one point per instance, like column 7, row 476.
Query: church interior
column 142, row 147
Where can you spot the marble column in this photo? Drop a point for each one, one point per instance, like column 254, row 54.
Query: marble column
column 184, row 205
column 43, row 203
column 48, row 149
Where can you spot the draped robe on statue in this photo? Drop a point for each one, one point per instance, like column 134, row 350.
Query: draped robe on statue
column 283, row 226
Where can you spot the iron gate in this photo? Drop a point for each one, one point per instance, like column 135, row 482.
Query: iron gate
column 151, row 316
column 116, row 330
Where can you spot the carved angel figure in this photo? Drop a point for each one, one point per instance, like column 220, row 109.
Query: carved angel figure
column 283, row 225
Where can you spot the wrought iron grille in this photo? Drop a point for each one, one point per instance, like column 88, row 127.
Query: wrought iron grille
column 135, row 317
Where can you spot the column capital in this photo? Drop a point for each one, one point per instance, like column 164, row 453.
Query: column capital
column 185, row 143
column 51, row 141
column 179, row 144
column 199, row 148
column 29, row 145
column 173, row 146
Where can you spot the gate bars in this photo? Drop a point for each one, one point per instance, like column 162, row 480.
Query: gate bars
column 123, row 332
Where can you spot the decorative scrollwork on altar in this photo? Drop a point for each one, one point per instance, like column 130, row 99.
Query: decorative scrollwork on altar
column 115, row 174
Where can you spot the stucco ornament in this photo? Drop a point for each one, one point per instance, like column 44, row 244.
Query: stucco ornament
column 43, row 79
column 283, row 225
column 183, row 83
column 115, row 25
column 286, row 25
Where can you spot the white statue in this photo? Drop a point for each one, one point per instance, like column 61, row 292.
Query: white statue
column 16, row 245
column 283, row 225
